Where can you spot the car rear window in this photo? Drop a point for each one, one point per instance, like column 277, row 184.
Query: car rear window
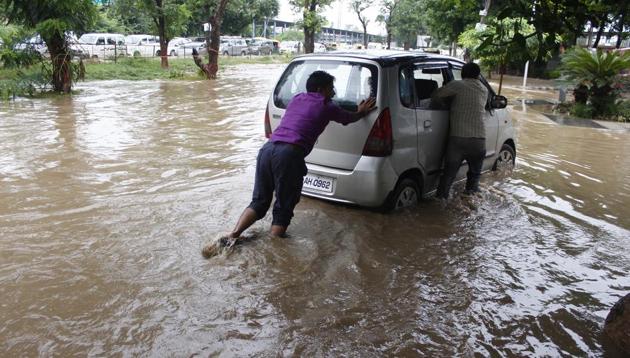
column 353, row 81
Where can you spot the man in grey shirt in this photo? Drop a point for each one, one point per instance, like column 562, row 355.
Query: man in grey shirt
column 467, row 133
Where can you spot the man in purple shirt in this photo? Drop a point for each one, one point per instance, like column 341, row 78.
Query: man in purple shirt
column 280, row 165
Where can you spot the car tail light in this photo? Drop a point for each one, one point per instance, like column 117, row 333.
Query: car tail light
column 267, row 123
column 380, row 142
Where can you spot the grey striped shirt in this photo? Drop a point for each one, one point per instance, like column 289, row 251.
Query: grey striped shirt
column 467, row 108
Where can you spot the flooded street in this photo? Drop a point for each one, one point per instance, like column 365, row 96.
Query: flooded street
column 107, row 197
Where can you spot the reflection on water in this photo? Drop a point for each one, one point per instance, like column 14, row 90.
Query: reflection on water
column 106, row 198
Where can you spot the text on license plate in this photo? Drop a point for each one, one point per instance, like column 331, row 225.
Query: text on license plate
column 319, row 183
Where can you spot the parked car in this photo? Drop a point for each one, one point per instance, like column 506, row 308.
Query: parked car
column 34, row 43
column 234, row 47
column 291, row 47
column 100, row 45
column 261, row 47
column 319, row 47
column 185, row 48
column 143, row 45
column 175, row 44
column 392, row 157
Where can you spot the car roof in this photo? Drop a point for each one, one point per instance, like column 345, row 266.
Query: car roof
column 383, row 57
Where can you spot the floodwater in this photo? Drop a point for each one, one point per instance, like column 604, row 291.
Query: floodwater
column 108, row 196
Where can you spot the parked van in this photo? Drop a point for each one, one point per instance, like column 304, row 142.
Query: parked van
column 143, row 45
column 392, row 157
column 234, row 47
column 101, row 45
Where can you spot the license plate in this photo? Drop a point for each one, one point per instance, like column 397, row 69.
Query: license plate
column 318, row 183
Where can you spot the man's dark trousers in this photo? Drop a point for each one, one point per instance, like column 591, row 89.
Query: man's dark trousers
column 473, row 150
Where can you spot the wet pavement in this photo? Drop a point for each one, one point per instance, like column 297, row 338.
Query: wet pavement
column 107, row 197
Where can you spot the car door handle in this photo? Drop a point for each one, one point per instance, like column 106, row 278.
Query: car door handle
column 427, row 123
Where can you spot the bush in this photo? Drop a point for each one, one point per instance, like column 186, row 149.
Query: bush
column 623, row 110
column 598, row 74
column 582, row 110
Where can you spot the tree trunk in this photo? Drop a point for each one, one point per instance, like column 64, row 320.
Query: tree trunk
column 309, row 33
column 600, row 31
column 215, row 21
column 365, row 37
column 60, row 57
column 163, row 42
column 389, row 38
column 309, row 40
column 621, row 24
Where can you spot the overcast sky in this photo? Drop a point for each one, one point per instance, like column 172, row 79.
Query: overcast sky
column 339, row 15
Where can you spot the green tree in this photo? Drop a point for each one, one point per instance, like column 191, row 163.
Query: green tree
column 312, row 21
column 107, row 21
column 407, row 22
column 446, row 19
column 387, row 8
column 169, row 18
column 52, row 19
column 359, row 6
column 134, row 21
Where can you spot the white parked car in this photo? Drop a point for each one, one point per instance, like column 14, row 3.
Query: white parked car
column 319, row 47
column 392, row 157
column 175, row 44
column 143, row 45
column 100, row 45
column 291, row 47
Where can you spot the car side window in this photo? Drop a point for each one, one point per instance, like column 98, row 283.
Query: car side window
column 100, row 41
column 405, row 83
column 457, row 73
column 427, row 79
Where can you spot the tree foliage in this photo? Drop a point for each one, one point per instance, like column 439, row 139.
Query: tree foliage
column 312, row 20
column 407, row 22
column 359, row 7
column 445, row 20
column 52, row 19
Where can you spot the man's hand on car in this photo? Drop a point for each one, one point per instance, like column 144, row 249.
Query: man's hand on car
column 366, row 106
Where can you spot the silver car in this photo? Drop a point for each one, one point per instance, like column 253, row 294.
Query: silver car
column 392, row 157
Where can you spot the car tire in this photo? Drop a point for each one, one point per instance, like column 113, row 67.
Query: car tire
column 136, row 54
column 506, row 158
column 157, row 53
column 406, row 194
column 173, row 53
column 243, row 53
column 225, row 53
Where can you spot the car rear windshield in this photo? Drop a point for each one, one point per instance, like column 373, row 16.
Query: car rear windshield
column 353, row 81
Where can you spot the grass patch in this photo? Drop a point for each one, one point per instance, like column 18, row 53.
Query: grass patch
column 179, row 68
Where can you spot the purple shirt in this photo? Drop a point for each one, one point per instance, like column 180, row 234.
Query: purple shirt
column 306, row 117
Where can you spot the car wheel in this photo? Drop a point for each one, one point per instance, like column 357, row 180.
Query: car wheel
column 506, row 159
column 157, row 53
column 136, row 54
column 225, row 53
column 243, row 53
column 95, row 57
column 173, row 53
column 406, row 194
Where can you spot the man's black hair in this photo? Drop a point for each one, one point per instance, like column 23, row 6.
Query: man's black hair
column 318, row 80
column 471, row 70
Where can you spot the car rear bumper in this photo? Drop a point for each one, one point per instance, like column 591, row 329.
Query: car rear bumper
column 368, row 184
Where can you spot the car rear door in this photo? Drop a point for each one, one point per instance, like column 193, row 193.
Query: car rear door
column 432, row 120
column 338, row 146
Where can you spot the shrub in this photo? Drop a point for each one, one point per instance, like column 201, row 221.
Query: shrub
column 582, row 110
column 596, row 75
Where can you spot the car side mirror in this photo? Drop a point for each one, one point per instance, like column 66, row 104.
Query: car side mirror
column 498, row 102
